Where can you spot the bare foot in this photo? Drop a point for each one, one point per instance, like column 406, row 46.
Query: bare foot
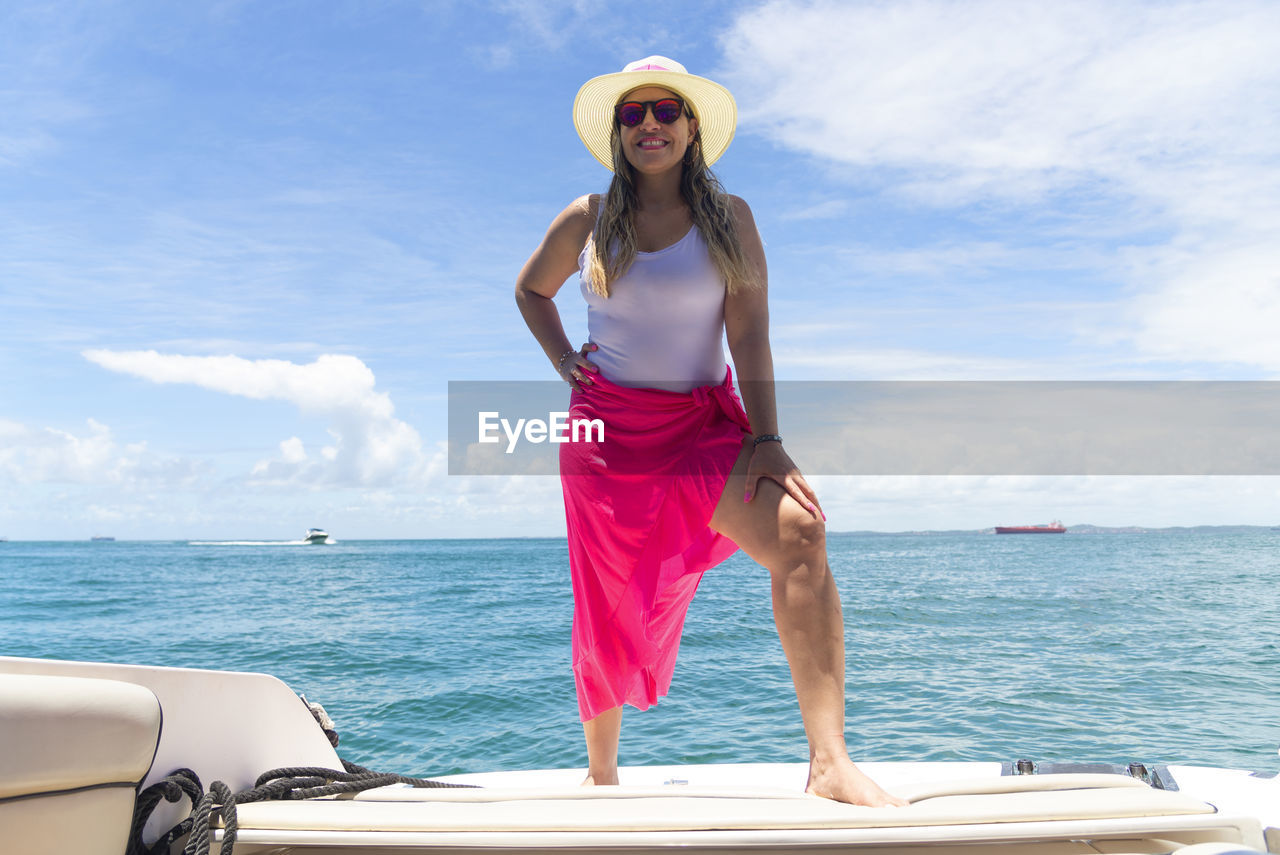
column 601, row 780
column 844, row 782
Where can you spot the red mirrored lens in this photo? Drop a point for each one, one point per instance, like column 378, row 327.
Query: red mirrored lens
column 631, row 114
column 666, row 111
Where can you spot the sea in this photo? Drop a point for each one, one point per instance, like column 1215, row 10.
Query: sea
column 443, row 656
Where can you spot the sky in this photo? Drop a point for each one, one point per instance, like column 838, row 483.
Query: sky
column 245, row 246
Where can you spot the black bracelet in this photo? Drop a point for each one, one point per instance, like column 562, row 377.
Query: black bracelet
column 766, row 437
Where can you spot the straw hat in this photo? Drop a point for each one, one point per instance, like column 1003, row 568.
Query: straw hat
column 712, row 105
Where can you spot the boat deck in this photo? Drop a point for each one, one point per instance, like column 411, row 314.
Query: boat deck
column 231, row 727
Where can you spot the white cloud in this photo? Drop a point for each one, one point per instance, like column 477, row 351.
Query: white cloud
column 543, row 22
column 1000, row 97
column 1219, row 305
column 1137, row 119
column 331, row 382
column 532, row 30
column 819, row 210
column 291, row 462
column 53, row 456
column 292, row 450
column 795, row 352
column 370, row 445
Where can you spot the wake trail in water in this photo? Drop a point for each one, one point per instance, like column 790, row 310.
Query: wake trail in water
column 257, row 542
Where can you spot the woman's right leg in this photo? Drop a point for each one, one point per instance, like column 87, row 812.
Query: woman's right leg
column 602, row 734
column 791, row 543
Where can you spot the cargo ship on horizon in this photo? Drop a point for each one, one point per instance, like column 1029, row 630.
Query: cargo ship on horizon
column 1054, row 527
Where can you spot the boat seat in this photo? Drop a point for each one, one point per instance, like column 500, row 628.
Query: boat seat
column 224, row 725
column 73, row 751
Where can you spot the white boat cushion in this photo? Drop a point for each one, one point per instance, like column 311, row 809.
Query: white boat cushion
column 400, row 809
column 72, row 753
column 64, row 733
column 225, row 725
column 84, row 822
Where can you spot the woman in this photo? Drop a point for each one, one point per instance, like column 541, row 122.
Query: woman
column 670, row 264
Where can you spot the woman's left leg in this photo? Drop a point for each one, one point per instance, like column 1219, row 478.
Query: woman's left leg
column 602, row 734
column 791, row 543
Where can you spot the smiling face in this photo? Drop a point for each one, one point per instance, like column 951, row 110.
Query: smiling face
column 652, row 147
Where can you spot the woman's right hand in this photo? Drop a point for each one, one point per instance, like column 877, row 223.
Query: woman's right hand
column 576, row 370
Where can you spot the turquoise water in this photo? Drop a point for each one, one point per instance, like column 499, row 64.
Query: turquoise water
column 437, row 657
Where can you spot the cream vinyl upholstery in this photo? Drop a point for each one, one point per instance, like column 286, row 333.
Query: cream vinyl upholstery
column 1045, row 815
column 689, row 810
column 72, row 753
column 226, row 726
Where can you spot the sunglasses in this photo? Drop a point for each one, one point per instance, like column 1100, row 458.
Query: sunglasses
column 665, row 110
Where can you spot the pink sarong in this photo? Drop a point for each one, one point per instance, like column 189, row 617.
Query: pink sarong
column 638, row 504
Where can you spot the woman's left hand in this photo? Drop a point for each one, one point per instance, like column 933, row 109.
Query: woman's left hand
column 770, row 460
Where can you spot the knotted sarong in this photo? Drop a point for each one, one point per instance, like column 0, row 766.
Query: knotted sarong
column 638, row 503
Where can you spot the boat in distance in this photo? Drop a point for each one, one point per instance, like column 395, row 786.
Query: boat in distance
column 316, row 535
column 1054, row 527
column 92, row 747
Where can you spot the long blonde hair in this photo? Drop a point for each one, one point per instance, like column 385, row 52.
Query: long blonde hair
column 613, row 238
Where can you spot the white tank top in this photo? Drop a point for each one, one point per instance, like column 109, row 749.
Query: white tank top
column 662, row 325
